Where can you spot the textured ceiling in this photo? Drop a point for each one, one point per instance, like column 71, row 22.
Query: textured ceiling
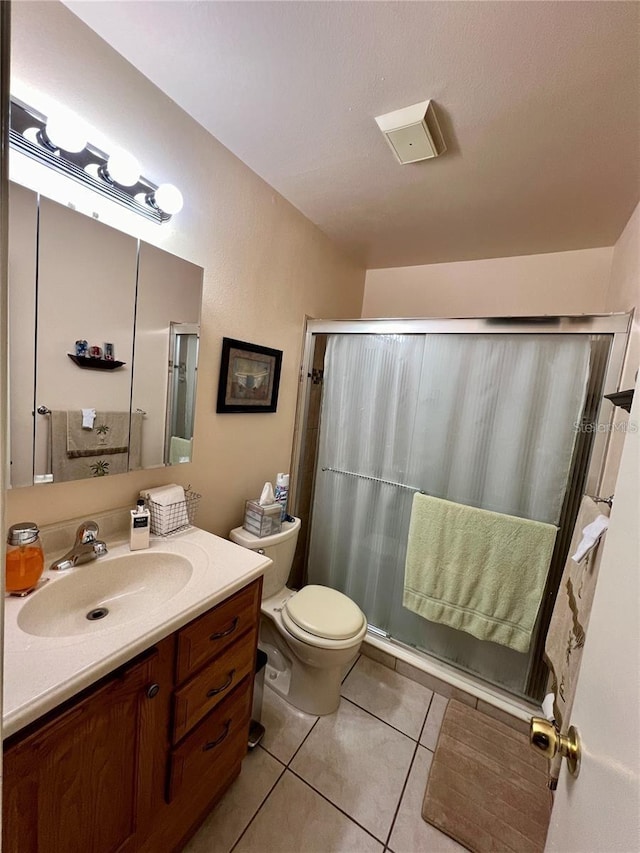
column 539, row 103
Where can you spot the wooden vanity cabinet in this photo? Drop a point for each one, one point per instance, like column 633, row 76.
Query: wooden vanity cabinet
column 71, row 783
column 135, row 762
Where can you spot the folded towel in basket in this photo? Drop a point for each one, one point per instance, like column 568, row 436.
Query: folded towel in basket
column 168, row 507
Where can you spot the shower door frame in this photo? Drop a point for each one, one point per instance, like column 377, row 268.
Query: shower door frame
column 616, row 325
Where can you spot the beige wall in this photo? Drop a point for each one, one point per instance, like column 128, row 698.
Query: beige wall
column 266, row 266
column 624, row 289
column 623, row 295
column 557, row 283
column 587, row 281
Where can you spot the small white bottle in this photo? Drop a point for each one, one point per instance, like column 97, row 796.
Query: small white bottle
column 140, row 524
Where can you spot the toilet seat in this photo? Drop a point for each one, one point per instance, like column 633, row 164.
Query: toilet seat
column 324, row 613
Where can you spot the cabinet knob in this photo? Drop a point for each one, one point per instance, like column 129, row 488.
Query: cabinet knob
column 152, row 691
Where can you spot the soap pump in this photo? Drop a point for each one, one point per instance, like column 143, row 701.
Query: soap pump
column 140, row 525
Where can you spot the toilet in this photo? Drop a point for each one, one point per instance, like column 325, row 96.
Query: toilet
column 310, row 636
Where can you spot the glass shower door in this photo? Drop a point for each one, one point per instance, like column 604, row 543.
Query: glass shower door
column 484, row 420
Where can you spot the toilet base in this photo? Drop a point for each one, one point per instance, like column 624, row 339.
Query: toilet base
column 312, row 688
column 318, row 694
column 278, row 679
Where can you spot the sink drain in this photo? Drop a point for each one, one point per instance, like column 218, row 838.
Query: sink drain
column 97, row 613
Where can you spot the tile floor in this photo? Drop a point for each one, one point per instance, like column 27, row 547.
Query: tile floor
column 350, row 782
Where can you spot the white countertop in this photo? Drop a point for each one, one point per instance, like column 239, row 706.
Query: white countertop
column 41, row 672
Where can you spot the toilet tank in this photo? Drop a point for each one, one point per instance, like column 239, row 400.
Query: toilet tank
column 279, row 548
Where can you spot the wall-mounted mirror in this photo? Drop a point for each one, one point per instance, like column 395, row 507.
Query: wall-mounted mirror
column 72, row 278
column 183, row 376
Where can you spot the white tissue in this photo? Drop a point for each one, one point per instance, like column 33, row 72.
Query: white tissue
column 267, row 497
column 590, row 537
column 88, row 417
column 547, row 705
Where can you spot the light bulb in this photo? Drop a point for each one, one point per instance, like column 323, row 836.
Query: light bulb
column 168, row 198
column 66, row 131
column 123, row 168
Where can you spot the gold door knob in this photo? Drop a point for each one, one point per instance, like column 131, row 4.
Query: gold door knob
column 545, row 737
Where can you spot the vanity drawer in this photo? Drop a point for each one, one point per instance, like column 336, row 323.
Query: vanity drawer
column 212, row 684
column 214, row 631
column 209, row 754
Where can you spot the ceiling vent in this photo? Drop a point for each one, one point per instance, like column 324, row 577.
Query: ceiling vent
column 413, row 132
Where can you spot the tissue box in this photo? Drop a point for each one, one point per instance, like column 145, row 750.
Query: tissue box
column 262, row 520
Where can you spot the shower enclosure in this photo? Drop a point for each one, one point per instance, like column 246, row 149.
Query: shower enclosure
column 504, row 415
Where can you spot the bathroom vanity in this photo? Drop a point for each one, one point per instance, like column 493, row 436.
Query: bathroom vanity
column 135, row 760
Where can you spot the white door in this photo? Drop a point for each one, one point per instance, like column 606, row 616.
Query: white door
column 599, row 812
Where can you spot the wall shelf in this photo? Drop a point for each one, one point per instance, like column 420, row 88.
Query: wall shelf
column 95, row 363
column 622, row 399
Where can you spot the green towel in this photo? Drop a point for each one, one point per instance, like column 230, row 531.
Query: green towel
column 477, row 571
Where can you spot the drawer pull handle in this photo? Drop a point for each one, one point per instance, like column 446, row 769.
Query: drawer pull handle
column 215, row 690
column 218, row 740
column 230, row 630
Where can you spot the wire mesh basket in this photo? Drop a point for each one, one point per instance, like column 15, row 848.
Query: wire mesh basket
column 172, row 518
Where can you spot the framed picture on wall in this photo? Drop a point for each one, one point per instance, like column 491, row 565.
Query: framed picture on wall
column 249, row 377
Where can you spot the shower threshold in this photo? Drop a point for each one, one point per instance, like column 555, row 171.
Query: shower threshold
column 446, row 679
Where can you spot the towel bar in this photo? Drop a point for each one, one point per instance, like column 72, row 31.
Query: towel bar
column 375, row 480
column 598, row 500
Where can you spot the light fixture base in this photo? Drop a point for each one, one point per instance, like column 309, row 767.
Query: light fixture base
column 88, row 167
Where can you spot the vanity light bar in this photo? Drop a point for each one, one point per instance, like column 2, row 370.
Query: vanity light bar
column 88, row 166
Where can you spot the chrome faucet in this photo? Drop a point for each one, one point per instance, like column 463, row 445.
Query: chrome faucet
column 87, row 547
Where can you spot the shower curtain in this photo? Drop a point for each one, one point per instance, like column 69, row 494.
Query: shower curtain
column 484, row 420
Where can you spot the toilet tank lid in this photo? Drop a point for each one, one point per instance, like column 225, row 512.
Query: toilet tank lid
column 249, row 540
column 325, row 612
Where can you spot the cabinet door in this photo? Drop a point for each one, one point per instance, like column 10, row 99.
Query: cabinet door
column 71, row 785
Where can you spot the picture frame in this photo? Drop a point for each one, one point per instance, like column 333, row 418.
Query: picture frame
column 249, row 378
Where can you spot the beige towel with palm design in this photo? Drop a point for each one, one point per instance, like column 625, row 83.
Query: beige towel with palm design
column 110, row 434
column 101, row 462
column 570, row 619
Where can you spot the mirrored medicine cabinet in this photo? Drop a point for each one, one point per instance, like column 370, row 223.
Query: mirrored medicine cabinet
column 72, row 278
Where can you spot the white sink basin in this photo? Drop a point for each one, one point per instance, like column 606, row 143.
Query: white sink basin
column 127, row 587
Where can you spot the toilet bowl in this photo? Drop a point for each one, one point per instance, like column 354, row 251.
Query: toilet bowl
column 311, row 635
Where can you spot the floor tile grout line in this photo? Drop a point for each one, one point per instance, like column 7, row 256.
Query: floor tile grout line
column 426, row 717
column 338, row 808
column 302, row 742
column 257, row 811
column 350, row 670
column 404, row 788
column 376, row 717
column 273, row 755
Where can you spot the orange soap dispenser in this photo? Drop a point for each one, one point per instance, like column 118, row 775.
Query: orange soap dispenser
column 25, row 558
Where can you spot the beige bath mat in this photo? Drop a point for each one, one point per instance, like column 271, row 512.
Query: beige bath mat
column 487, row 788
